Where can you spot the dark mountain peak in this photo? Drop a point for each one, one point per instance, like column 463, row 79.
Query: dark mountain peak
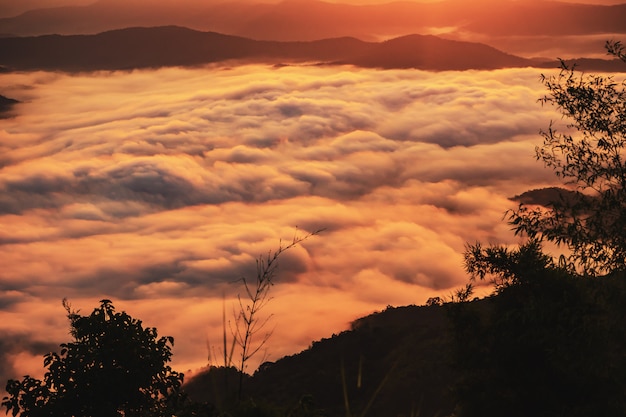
column 168, row 30
column 437, row 42
column 547, row 196
column 411, row 38
column 434, row 53
column 6, row 104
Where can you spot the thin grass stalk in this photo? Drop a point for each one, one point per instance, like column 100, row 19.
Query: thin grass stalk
column 346, row 400
column 378, row 389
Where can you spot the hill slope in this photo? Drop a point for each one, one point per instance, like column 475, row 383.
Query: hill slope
column 403, row 353
column 548, row 344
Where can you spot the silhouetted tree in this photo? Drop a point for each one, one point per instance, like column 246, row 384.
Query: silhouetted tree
column 550, row 341
column 113, row 367
column 549, row 344
column 593, row 160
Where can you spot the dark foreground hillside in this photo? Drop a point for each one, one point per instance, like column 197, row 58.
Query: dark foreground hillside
column 394, row 363
column 548, row 344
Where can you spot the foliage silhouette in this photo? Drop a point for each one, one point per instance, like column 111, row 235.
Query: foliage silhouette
column 548, row 344
column 550, row 340
column 113, row 367
column 248, row 322
column 506, row 267
column 593, row 161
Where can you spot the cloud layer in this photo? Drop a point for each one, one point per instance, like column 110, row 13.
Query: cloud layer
column 159, row 189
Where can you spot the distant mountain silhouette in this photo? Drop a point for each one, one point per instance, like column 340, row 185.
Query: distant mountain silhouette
column 15, row 8
column 131, row 48
column 550, row 18
column 6, row 104
column 403, row 350
column 157, row 47
column 176, row 46
column 431, row 52
column 546, row 196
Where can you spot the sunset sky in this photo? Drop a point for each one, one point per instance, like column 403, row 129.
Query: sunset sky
column 159, row 188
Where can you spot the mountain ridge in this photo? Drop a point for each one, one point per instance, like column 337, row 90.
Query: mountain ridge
column 154, row 47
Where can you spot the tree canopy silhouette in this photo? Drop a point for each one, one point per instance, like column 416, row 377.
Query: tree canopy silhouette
column 113, row 367
column 592, row 160
column 551, row 341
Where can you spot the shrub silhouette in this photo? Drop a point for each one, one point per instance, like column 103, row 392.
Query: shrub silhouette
column 114, row 366
column 549, row 344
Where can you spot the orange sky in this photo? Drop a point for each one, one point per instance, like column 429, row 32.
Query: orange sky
column 12, row 7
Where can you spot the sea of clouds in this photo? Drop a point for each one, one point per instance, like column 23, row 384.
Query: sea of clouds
column 158, row 190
